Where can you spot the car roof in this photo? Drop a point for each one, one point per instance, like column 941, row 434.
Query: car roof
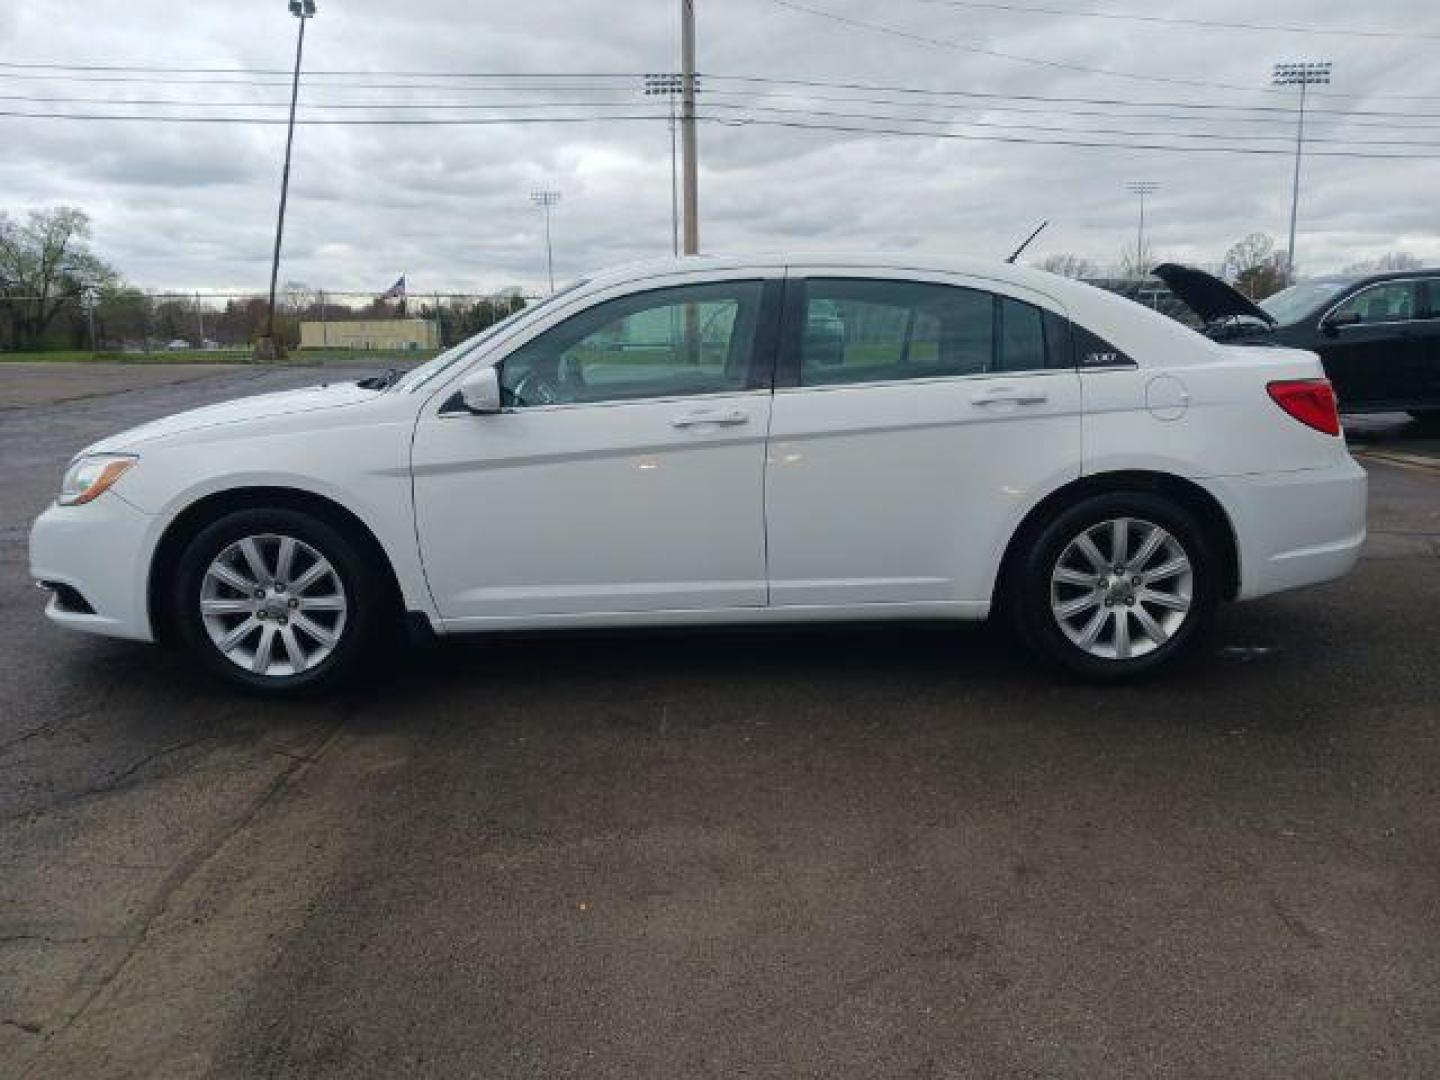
column 991, row 269
column 1370, row 279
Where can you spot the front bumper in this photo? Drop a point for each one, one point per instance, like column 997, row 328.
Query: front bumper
column 101, row 551
column 1296, row 528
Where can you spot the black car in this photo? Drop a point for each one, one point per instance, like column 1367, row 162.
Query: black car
column 1378, row 335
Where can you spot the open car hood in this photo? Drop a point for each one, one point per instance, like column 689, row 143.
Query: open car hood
column 1208, row 296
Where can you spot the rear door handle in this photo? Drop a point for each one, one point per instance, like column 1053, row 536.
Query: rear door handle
column 711, row 416
column 1010, row 395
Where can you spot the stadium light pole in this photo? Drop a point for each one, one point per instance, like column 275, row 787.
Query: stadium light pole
column 269, row 349
column 1141, row 188
column 545, row 199
column 671, row 85
column 1302, row 74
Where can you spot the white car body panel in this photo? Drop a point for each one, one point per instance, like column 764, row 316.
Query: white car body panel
column 882, row 500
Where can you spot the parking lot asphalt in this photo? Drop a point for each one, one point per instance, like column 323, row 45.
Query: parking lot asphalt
column 838, row 852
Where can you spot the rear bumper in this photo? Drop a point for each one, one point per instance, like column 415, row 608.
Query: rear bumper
column 1295, row 528
column 99, row 550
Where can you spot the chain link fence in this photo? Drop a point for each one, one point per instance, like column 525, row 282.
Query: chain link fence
column 138, row 321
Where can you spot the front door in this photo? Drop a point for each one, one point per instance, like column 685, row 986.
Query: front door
column 912, row 423
column 1368, row 346
column 626, row 473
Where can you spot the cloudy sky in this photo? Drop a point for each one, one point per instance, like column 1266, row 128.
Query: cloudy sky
column 191, row 205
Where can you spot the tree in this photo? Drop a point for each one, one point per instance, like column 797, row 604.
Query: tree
column 1391, row 260
column 1068, row 265
column 1135, row 261
column 45, row 266
column 1254, row 267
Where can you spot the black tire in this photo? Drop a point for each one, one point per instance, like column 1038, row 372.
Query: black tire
column 361, row 583
column 1030, row 598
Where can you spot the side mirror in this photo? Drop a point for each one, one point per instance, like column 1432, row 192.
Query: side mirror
column 481, row 391
column 1333, row 322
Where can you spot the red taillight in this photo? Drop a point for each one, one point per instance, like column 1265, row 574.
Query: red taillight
column 1311, row 401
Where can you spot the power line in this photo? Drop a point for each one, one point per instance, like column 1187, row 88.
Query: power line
column 744, row 121
column 933, row 92
column 740, row 101
column 945, row 43
column 1173, row 20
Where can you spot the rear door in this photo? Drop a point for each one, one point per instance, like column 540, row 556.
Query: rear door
column 914, row 420
column 1371, row 346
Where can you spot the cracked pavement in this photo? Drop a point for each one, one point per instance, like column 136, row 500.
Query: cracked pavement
column 840, row 852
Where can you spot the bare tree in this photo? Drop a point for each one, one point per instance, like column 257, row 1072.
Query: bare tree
column 1391, row 260
column 1069, row 265
column 1135, row 261
column 1254, row 267
column 45, row 265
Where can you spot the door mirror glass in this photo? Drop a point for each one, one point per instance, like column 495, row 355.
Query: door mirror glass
column 481, row 391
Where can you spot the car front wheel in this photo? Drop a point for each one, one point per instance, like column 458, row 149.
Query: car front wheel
column 275, row 601
column 1118, row 585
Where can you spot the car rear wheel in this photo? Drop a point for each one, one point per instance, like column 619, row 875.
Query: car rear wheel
column 275, row 601
column 1117, row 585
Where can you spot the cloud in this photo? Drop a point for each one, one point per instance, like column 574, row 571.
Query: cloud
column 193, row 206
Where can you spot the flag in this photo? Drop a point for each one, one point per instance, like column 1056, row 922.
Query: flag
column 396, row 291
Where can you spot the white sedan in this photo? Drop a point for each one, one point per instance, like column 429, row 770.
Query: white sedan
column 729, row 441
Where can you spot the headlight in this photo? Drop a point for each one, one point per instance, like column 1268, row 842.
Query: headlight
column 90, row 476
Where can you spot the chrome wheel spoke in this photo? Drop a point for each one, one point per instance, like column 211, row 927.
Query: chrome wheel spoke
column 1075, row 577
column 1178, row 565
column 1172, row 601
column 1119, row 540
column 228, row 643
column 226, row 573
column 314, row 630
column 1153, row 630
column 1122, row 633
column 322, row 603
column 227, row 607
column 293, row 652
column 284, row 560
column 1087, row 548
column 316, row 571
column 1071, row 608
column 1148, row 547
column 1091, row 633
column 260, row 663
column 250, row 549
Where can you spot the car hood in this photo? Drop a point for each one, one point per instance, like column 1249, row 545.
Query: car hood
column 1209, row 297
column 239, row 411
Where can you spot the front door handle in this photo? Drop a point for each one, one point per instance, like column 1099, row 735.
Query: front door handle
column 711, row 416
column 1010, row 395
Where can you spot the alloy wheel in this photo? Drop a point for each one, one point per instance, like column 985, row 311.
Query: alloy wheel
column 273, row 605
column 1122, row 588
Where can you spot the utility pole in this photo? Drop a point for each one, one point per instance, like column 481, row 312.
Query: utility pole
column 1141, row 188
column 268, row 348
column 546, row 198
column 200, row 319
column 93, row 302
column 1304, row 73
column 687, row 125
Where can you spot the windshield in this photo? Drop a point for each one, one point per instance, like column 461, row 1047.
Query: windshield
column 1292, row 304
column 419, row 376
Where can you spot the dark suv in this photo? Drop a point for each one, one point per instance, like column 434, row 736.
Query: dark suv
column 1377, row 335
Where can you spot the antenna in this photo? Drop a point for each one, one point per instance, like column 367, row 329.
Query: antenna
column 1038, row 230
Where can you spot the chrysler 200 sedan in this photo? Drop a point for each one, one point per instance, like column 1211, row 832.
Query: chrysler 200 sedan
column 729, row 441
